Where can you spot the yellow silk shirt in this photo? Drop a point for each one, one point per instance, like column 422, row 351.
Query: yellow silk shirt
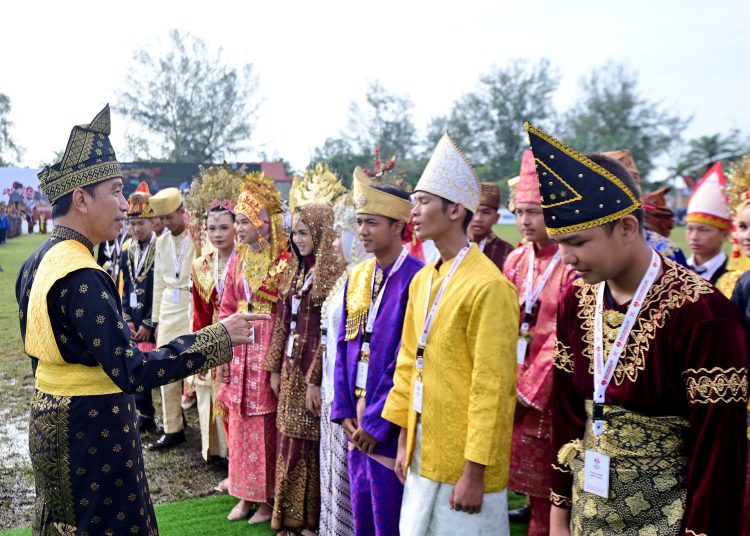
column 469, row 371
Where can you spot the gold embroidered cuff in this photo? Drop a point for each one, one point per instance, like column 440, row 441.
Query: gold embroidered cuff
column 711, row 386
column 563, row 360
column 560, row 500
column 213, row 342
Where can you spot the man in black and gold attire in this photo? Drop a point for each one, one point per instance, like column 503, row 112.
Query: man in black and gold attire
column 83, row 440
column 137, row 269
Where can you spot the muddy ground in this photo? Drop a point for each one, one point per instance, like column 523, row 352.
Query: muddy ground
column 174, row 475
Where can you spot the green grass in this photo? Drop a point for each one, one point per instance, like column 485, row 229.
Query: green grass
column 208, row 517
column 12, row 255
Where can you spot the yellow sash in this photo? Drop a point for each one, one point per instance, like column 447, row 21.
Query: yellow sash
column 54, row 375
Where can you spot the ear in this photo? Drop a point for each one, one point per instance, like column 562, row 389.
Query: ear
column 457, row 211
column 397, row 228
column 629, row 227
column 725, row 234
column 80, row 200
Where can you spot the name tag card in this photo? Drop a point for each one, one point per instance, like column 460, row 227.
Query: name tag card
column 521, row 347
column 596, row 474
column 175, row 296
column 418, row 392
column 290, row 346
column 133, row 299
column 361, row 380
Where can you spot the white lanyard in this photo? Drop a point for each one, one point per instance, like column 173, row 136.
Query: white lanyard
column 178, row 260
column 375, row 306
column 429, row 317
column 297, row 299
column 140, row 258
column 603, row 374
column 482, row 244
column 220, row 283
column 532, row 293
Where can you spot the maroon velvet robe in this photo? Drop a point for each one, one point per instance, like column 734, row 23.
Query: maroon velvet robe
column 686, row 357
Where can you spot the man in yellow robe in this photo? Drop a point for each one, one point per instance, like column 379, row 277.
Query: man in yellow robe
column 454, row 386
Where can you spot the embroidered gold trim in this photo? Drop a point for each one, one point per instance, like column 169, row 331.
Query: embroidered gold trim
column 576, row 197
column 212, row 341
column 59, row 186
column 594, row 223
column 711, row 386
column 358, row 298
column 585, row 161
column 677, row 286
column 559, row 500
column 203, row 276
column 66, row 233
column 563, row 360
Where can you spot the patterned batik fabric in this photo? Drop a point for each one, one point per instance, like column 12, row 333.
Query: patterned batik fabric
column 335, row 504
column 297, row 497
column 88, row 468
column 252, row 447
column 647, row 475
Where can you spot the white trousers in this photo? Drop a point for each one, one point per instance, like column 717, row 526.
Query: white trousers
column 426, row 511
column 213, row 438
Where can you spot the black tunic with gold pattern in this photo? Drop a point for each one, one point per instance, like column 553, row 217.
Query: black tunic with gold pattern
column 84, row 442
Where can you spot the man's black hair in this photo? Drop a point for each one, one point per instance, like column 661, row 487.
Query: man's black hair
column 62, row 206
column 621, row 172
column 398, row 192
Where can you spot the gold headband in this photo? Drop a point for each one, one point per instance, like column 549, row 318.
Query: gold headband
column 370, row 200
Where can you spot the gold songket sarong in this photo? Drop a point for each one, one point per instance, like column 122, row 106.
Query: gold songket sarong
column 647, row 476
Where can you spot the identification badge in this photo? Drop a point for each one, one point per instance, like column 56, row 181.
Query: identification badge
column 418, row 392
column 175, row 296
column 290, row 346
column 596, row 474
column 133, row 299
column 252, row 334
column 361, row 380
column 521, row 347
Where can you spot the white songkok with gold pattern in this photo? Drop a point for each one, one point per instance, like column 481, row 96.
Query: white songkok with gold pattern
column 449, row 175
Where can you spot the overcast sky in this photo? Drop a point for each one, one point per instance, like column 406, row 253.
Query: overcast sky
column 61, row 61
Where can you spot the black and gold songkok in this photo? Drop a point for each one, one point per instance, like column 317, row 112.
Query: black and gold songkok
column 88, row 159
column 577, row 193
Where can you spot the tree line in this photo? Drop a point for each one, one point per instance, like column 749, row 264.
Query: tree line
column 190, row 105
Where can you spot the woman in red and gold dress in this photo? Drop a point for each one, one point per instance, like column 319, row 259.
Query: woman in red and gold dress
column 246, row 401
